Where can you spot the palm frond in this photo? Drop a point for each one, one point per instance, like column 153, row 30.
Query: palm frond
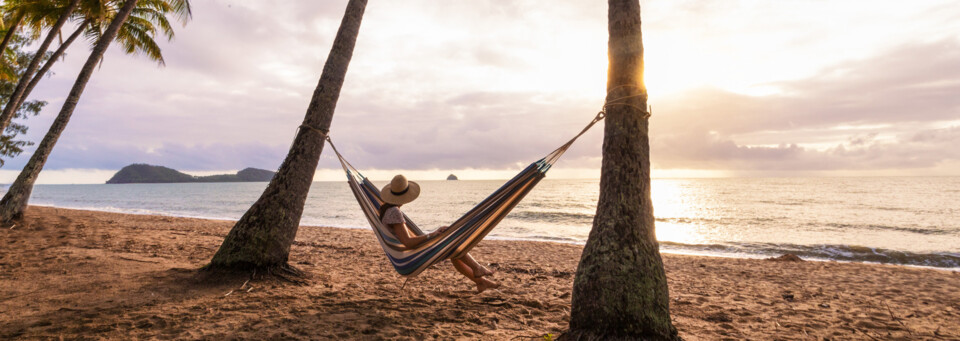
column 138, row 34
column 136, row 37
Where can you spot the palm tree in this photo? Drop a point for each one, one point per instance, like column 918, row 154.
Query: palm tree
column 620, row 290
column 16, row 11
column 25, row 20
column 261, row 239
column 15, row 200
column 8, row 110
column 11, row 30
column 52, row 59
column 136, row 35
column 18, row 59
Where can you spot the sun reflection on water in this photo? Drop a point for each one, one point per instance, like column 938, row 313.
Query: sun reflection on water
column 671, row 200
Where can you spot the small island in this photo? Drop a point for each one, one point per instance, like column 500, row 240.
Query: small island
column 150, row 174
column 452, row 177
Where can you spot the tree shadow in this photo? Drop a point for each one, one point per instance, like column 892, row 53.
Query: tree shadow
column 100, row 311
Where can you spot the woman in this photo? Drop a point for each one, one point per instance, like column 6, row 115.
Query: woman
column 399, row 192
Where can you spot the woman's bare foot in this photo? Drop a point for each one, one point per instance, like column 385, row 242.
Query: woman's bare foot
column 482, row 271
column 483, row 284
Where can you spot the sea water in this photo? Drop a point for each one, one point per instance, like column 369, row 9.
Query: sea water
column 897, row 220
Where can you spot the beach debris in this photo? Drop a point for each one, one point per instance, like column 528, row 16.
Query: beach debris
column 788, row 296
column 228, row 293
column 786, row 257
column 824, row 305
column 895, row 318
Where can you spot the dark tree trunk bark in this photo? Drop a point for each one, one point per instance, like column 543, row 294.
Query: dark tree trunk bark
column 620, row 289
column 15, row 201
column 49, row 64
column 261, row 239
column 11, row 31
column 9, row 110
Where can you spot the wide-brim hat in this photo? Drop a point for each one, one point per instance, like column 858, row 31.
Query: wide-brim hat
column 400, row 191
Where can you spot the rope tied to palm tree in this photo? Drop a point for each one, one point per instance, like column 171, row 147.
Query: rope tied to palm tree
column 323, row 132
column 622, row 100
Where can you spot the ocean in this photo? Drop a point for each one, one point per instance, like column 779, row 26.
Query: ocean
column 896, row 220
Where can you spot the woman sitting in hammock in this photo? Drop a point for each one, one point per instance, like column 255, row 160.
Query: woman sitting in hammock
column 399, row 192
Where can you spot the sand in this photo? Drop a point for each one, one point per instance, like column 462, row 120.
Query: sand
column 93, row 275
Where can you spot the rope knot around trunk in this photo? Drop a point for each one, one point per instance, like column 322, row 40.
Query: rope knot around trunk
column 323, row 132
column 641, row 91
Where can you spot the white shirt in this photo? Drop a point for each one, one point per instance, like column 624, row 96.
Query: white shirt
column 392, row 216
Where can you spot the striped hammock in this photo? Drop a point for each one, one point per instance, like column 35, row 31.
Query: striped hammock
column 464, row 233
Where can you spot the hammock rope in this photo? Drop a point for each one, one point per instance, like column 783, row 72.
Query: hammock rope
column 464, row 233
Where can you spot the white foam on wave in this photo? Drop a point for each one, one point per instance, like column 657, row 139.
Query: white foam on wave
column 135, row 211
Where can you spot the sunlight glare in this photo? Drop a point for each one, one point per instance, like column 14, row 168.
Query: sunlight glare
column 670, row 201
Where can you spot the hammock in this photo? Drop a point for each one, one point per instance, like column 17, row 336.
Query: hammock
column 464, row 233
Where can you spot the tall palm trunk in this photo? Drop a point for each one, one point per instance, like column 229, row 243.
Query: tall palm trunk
column 46, row 66
column 9, row 110
column 15, row 201
column 620, row 290
column 262, row 237
column 11, row 31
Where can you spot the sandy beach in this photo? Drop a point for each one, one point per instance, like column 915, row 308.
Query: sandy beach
column 93, row 275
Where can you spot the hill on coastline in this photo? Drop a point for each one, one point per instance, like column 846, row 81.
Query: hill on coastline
column 144, row 173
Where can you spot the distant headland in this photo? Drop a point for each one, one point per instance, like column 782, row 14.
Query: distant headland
column 142, row 174
column 452, row 177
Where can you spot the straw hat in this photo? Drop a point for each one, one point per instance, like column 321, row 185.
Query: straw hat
column 400, row 191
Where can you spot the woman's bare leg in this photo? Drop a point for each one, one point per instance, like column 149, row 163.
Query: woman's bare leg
column 464, row 269
column 482, row 283
column 478, row 270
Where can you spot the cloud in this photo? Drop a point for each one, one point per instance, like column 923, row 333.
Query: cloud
column 924, row 149
column 494, row 85
column 877, row 113
column 894, row 87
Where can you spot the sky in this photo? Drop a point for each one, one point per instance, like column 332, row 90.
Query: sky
column 482, row 88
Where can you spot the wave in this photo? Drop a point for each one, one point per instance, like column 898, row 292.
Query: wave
column 851, row 253
column 920, row 230
column 135, row 211
column 787, row 203
column 554, row 217
column 554, row 239
column 718, row 221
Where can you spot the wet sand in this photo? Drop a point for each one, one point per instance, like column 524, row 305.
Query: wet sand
column 93, row 275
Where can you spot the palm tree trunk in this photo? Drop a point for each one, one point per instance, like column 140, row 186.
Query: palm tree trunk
column 261, row 239
column 11, row 31
column 46, row 66
column 9, row 110
column 620, row 290
column 15, row 201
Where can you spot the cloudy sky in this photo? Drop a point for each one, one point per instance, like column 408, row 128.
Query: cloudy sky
column 479, row 88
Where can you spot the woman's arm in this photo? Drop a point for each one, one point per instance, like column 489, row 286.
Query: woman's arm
column 406, row 238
